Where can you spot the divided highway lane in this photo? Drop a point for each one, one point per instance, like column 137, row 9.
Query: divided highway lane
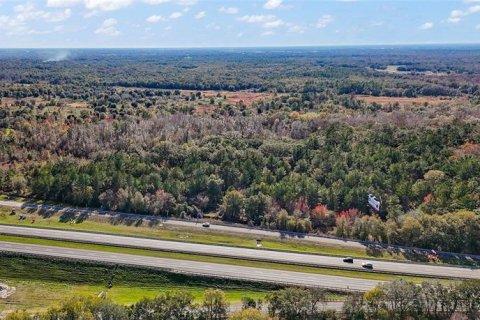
column 196, row 268
column 180, row 223
column 417, row 269
column 228, row 228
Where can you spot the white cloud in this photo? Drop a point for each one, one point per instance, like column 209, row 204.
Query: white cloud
column 325, row 20
column 27, row 7
column 268, row 21
column 37, row 32
column 62, row 3
column 229, row 10
column 272, row 4
column 155, row 2
column 18, row 23
column 108, row 28
column 257, row 18
column 295, row 29
column 426, row 26
column 107, row 5
column 378, row 24
column 59, row 16
column 90, row 14
column 472, row 10
column 213, row 26
column 273, row 24
column 201, row 15
column 454, row 19
column 268, row 33
column 110, row 22
column 27, row 12
column 12, row 26
column 176, row 15
column 110, row 5
column 155, row 19
column 187, row 3
column 457, row 15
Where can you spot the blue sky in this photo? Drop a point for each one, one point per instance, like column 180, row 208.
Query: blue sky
column 215, row 23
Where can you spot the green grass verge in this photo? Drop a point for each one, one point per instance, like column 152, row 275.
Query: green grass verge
column 202, row 258
column 42, row 282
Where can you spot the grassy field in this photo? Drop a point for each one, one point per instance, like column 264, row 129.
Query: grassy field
column 202, row 258
column 164, row 231
column 41, row 282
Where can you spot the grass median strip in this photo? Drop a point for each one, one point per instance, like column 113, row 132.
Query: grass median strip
column 42, row 282
column 202, row 258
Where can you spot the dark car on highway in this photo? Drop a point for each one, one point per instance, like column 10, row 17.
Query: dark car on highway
column 348, row 260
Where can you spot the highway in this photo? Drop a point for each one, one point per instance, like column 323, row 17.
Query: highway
column 196, row 268
column 232, row 229
column 416, row 269
column 227, row 228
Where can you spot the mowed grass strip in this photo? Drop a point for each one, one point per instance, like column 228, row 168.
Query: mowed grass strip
column 220, row 260
column 42, row 282
column 207, row 236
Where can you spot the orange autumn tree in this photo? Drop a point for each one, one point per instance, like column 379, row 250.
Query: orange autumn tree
column 345, row 221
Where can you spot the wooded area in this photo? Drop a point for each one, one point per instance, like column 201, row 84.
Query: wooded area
column 117, row 130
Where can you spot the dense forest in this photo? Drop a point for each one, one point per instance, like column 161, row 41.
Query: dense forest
column 284, row 139
column 340, row 70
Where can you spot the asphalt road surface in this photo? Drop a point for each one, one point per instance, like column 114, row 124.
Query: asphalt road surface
column 196, row 268
column 187, row 224
column 239, row 229
column 417, row 269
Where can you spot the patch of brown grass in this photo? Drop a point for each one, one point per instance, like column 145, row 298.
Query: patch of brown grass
column 408, row 101
column 245, row 97
column 467, row 149
column 77, row 104
column 205, row 109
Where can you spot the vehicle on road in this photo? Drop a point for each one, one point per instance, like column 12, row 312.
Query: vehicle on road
column 367, row 265
column 206, row 224
column 348, row 260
